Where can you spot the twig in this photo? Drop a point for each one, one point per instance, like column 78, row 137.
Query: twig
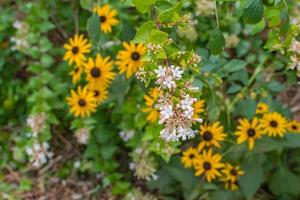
column 52, row 162
column 75, row 16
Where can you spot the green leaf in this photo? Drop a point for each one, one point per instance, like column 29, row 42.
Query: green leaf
column 275, row 86
column 143, row 32
column 143, row 5
column 157, row 36
column 233, row 89
column 246, row 108
column 256, row 28
column 291, row 140
column 253, row 11
column 93, row 27
column 251, row 181
column 169, row 15
column 273, row 16
column 278, row 182
column 234, row 65
column 87, row 4
column 216, row 42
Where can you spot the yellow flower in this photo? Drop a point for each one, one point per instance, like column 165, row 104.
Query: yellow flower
column 100, row 92
column 208, row 165
column 150, row 102
column 293, row 126
column 107, row 18
column 82, row 103
column 76, row 50
column 248, row 131
column 211, row 135
column 130, row 59
column 262, row 108
column 198, row 108
column 232, row 173
column 100, row 72
column 274, row 124
column 188, row 157
column 76, row 74
column 232, row 185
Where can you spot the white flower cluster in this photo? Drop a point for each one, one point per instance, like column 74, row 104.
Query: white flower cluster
column 295, row 57
column 177, row 119
column 20, row 40
column 204, row 7
column 143, row 164
column 36, row 123
column 39, row 154
column 167, row 76
column 153, row 48
column 126, row 135
column 82, row 135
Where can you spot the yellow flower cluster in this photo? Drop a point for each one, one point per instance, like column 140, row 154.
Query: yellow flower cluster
column 209, row 164
column 98, row 72
column 272, row 124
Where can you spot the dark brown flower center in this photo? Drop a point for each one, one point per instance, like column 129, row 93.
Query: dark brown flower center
column 207, row 136
column 251, row 132
column 96, row 93
column 273, row 123
column 82, row 102
column 206, row 165
column 76, row 70
column 75, row 50
column 233, row 172
column 191, row 156
column 95, row 72
column 102, row 19
column 135, row 56
column 294, row 127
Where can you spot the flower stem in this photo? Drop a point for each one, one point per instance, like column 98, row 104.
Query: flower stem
column 216, row 13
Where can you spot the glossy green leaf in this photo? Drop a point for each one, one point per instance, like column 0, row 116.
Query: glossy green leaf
column 253, row 11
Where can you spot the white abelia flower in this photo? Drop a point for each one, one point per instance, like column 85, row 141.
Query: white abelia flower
column 82, row 135
column 166, row 112
column 166, row 76
column 177, row 119
column 39, row 154
column 126, row 134
column 177, row 73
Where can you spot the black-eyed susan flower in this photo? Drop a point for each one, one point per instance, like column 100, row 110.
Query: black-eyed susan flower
column 100, row 92
column 77, row 47
column 209, row 165
column 262, row 108
column 230, row 176
column 76, row 74
column 198, row 108
column 99, row 72
column 230, row 185
column 189, row 157
column 211, row 135
column 294, row 126
column 273, row 124
column 107, row 18
column 82, row 103
column 232, row 173
column 130, row 59
column 248, row 131
column 150, row 101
